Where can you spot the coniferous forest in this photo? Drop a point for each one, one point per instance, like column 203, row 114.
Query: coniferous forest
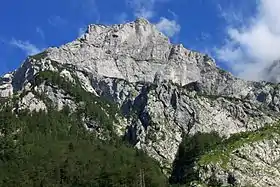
column 52, row 149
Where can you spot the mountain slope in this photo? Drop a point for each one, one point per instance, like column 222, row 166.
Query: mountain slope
column 163, row 92
column 53, row 149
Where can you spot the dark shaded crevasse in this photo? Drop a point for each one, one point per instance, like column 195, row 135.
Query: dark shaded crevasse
column 231, row 179
column 261, row 97
column 136, row 110
column 126, row 107
column 194, row 86
column 190, row 150
column 139, row 106
column 174, row 100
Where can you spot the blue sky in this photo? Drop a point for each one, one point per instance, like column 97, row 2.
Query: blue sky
column 226, row 29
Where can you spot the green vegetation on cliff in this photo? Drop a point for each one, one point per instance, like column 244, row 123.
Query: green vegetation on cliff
column 208, row 148
column 190, row 150
column 54, row 149
column 221, row 153
column 97, row 108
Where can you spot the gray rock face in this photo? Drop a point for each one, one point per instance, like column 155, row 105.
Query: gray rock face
column 257, row 163
column 57, row 97
column 134, row 52
column 164, row 90
column 165, row 111
column 29, row 101
column 6, row 88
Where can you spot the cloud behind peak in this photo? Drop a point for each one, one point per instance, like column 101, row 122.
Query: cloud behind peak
column 252, row 43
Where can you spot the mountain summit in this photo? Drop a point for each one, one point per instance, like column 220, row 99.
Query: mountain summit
column 203, row 125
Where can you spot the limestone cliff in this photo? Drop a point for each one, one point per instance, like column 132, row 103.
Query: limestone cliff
column 163, row 91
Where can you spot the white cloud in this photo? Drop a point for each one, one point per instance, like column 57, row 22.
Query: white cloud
column 168, row 27
column 82, row 31
column 122, row 18
column 91, row 10
column 26, row 46
column 254, row 42
column 40, row 32
column 144, row 8
column 57, row 21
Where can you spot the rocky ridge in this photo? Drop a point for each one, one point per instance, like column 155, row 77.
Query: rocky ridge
column 162, row 89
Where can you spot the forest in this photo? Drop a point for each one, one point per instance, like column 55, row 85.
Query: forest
column 53, row 149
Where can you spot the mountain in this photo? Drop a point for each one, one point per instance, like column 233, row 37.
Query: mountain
column 203, row 126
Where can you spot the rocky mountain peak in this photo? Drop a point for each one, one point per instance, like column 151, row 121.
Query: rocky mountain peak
column 137, row 34
column 140, row 26
column 134, row 51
